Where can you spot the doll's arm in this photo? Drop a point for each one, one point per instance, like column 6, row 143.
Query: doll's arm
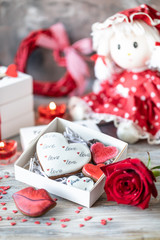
column 103, row 69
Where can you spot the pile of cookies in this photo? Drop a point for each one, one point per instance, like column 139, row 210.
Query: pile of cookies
column 78, row 162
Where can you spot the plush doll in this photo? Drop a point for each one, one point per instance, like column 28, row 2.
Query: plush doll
column 127, row 89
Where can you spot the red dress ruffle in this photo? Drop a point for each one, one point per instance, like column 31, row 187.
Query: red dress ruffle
column 133, row 96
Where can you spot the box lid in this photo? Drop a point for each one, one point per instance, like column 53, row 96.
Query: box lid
column 13, row 88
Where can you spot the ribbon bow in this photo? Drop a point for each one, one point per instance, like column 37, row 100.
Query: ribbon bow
column 67, row 55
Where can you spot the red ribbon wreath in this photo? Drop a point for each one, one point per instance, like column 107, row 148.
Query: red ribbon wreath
column 65, row 55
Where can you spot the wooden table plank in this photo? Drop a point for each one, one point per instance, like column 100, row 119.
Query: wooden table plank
column 128, row 222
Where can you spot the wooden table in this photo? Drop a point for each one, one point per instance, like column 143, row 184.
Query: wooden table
column 127, row 222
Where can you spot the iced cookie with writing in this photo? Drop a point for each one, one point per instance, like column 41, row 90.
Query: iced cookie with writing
column 59, row 158
column 84, row 183
column 101, row 153
column 32, row 202
column 92, row 171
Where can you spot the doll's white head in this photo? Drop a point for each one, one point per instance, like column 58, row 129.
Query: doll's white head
column 131, row 46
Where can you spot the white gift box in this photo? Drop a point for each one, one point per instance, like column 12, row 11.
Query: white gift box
column 29, row 133
column 85, row 198
column 16, row 103
column 12, row 88
column 11, row 128
column 17, row 108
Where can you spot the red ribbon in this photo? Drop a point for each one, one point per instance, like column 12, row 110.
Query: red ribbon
column 96, row 56
column 65, row 54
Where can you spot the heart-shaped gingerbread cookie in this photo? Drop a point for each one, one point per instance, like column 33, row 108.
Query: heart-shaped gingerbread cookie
column 101, row 153
column 93, row 171
column 84, row 183
column 58, row 158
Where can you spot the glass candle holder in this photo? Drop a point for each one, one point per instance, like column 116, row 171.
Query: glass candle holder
column 48, row 113
column 8, row 149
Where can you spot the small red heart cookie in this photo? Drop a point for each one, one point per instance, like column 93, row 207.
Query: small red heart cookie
column 93, row 171
column 101, row 153
column 32, row 202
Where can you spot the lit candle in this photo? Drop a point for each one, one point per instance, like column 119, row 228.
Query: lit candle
column 52, row 111
column 8, row 149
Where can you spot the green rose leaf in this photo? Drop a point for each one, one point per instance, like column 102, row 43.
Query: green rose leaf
column 156, row 173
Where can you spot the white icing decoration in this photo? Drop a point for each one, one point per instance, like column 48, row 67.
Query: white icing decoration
column 84, row 183
column 57, row 157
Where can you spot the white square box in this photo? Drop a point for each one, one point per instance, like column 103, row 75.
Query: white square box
column 16, row 108
column 13, row 88
column 85, row 198
column 11, row 127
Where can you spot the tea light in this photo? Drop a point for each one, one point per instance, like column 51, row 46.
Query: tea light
column 52, row 111
column 8, row 149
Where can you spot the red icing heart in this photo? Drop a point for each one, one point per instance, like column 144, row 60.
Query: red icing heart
column 93, row 171
column 101, row 153
column 11, row 71
column 32, row 202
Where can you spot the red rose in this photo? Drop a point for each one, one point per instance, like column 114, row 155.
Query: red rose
column 129, row 182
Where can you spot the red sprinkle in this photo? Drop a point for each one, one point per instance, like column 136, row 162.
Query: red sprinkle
column 24, row 220
column 65, row 220
column 9, row 218
column 87, row 218
column 1, row 178
column 80, row 208
column 6, row 176
column 48, row 223
column 103, row 221
column 77, row 211
column 52, row 219
column 6, row 188
column 14, row 211
column 1, row 197
column 55, row 199
column 109, row 219
column 37, row 222
column 63, row 225
column 13, row 223
column 81, row 225
column 4, row 192
column 3, row 203
column 4, row 208
column 1, row 218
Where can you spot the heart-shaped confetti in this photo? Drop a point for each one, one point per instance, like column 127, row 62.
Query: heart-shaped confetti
column 48, row 223
column 92, row 171
column 11, row 71
column 13, row 223
column 59, row 158
column 84, row 183
column 32, row 202
column 102, row 153
column 87, row 218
